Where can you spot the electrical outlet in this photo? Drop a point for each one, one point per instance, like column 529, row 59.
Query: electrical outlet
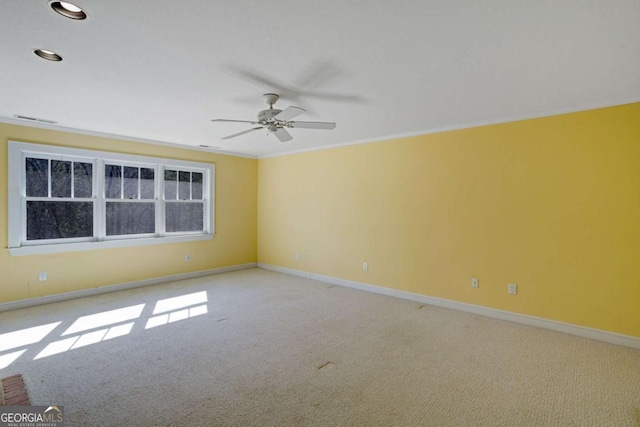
column 474, row 282
column 297, row 255
column 365, row 266
column 42, row 276
column 513, row 289
column 187, row 258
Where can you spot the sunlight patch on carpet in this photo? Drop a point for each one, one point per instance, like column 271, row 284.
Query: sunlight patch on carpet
column 105, row 318
column 176, row 316
column 176, row 303
column 26, row 336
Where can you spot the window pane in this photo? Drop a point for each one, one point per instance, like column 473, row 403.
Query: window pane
column 112, row 178
column 60, row 178
column 130, row 186
column 170, row 185
column 196, row 185
column 184, row 186
column 147, row 184
column 130, row 218
column 82, row 179
column 37, row 174
column 59, row 220
column 184, row 217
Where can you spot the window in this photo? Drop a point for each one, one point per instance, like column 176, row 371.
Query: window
column 68, row 199
column 183, row 198
column 58, row 199
column 130, row 200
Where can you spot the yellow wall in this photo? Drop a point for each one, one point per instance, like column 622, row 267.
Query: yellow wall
column 551, row 204
column 234, row 243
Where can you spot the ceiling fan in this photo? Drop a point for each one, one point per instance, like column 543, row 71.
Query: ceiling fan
column 276, row 121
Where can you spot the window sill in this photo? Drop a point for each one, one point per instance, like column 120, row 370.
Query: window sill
column 83, row 246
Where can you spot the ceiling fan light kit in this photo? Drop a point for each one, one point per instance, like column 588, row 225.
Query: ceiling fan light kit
column 276, row 121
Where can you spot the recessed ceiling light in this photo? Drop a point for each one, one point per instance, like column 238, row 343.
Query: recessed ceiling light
column 47, row 54
column 69, row 10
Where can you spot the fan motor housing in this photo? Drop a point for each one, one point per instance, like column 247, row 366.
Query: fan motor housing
column 268, row 114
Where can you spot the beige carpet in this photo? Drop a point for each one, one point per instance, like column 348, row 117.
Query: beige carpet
column 267, row 349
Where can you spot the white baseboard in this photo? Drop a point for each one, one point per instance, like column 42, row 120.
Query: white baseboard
column 567, row 328
column 14, row 305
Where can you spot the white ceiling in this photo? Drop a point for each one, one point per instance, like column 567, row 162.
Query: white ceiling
column 160, row 70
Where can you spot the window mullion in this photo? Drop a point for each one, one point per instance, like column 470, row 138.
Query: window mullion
column 177, row 184
column 23, row 194
column 99, row 228
column 207, row 182
column 121, row 182
column 73, row 181
column 48, row 177
column 160, row 202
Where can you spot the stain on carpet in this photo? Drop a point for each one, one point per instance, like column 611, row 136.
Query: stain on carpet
column 13, row 391
column 325, row 366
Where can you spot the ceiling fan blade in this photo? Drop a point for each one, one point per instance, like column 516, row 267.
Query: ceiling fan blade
column 337, row 97
column 264, row 82
column 260, row 79
column 235, row 121
column 289, row 113
column 318, row 73
column 313, row 125
column 283, row 135
column 241, row 133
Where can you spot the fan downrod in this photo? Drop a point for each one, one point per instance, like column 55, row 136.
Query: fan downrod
column 265, row 116
column 270, row 99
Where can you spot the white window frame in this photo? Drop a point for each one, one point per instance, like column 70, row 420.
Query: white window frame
column 17, row 242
